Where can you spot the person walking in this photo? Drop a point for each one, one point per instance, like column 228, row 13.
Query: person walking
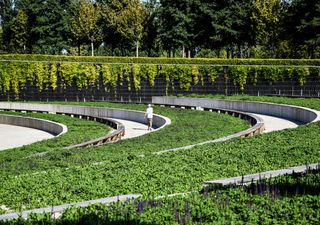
column 149, row 116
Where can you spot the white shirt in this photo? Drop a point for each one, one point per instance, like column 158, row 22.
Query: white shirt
column 149, row 113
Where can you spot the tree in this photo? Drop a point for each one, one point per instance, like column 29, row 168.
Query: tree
column 303, row 27
column 85, row 25
column 242, row 33
column 176, row 21
column 48, row 24
column 267, row 20
column 20, row 32
column 6, row 19
column 150, row 32
column 123, row 22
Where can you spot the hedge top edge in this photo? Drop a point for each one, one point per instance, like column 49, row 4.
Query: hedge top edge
column 159, row 61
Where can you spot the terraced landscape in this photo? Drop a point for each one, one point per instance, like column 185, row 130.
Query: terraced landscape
column 65, row 176
column 235, row 91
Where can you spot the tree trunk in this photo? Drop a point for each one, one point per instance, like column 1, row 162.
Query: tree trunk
column 312, row 47
column 239, row 51
column 137, row 49
column 92, row 50
column 183, row 50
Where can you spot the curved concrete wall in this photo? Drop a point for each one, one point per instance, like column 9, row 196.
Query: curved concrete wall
column 137, row 116
column 99, row 114
column 294, row 113
column 40, row 124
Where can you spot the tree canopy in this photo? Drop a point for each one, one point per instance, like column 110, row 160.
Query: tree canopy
column 180, row 28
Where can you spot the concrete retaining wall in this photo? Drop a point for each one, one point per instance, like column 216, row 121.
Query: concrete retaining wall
column 293, row 113
column 40, row 124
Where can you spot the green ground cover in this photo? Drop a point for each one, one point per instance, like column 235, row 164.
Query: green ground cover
column 289, row 199
column 168, row 173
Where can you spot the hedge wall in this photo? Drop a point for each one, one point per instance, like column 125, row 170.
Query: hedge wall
column 57, row 75
column 142, row 60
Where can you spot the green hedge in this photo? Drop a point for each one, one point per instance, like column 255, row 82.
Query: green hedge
column 16, row 75
column 143, row 60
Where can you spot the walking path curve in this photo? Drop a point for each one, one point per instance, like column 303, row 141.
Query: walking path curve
column 272, row 123
column 133, row 129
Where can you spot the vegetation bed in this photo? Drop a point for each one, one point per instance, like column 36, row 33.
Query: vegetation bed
column 123, row 173
column 289, row 199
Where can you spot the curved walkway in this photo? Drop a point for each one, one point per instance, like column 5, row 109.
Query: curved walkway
column 133, row 129
column 272, row 123
column 277, row 117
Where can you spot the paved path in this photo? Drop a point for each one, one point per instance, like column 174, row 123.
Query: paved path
column 16, row 136
column 133, row 129
column 275, row 123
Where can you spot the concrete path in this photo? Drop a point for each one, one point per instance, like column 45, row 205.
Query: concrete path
column 133, row 129
column 275, row 123
column 16, row 136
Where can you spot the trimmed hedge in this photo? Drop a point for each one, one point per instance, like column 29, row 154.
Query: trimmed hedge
column 160, row 61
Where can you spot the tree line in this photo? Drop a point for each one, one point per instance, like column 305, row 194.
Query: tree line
column 180, row 28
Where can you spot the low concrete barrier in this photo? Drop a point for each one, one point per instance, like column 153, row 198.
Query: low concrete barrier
column 45, row 125
column 253, row 178
column 293, row 113
column 56, row 211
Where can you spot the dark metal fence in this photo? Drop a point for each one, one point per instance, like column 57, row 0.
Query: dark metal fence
column 127, row 92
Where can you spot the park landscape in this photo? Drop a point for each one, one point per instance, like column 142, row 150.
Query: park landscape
column 234, row 51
